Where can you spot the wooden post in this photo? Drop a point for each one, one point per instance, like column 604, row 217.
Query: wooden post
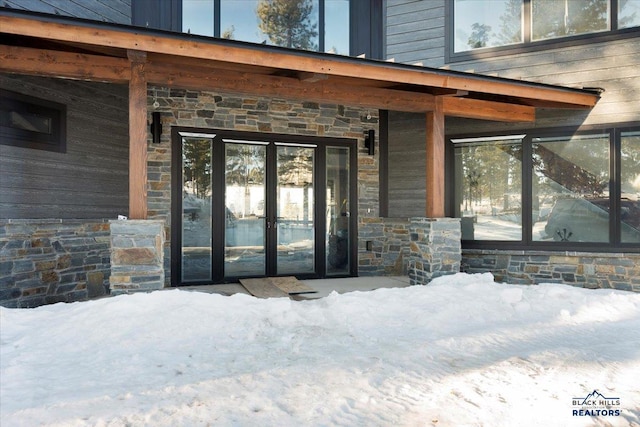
column 435, row 161
column 137, row 136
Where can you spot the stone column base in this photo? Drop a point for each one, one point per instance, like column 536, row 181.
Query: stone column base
column 137, row 256
column 435, row 248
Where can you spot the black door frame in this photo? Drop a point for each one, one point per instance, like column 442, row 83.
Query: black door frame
column 218, row 219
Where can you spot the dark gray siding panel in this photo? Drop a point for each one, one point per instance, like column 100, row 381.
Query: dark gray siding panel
column 158, row 14
column 118, row 11
column 406, row 163
column 90, row 180
column 613, row 66
column 415, row 31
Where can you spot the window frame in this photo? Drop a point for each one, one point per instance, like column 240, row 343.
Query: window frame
column 613, row 34
column 527, row 243
column 217, row 24
column 55, row 141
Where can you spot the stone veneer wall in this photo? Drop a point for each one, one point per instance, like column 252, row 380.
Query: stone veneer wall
column 389, row 248
column 211, row 110
column 582, row 269
column 137, row 256
column 46, row 261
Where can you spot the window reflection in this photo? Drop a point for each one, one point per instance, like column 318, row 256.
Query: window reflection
column 554, row 18
column 488, row 176
column 487, row 23
column 336, row 32
column 287, row 23
column 197, row 17
column 338, row 211
column 628, row 13
column 196, row 209
column 630, row 187
column 238, row 21
column 571, row 189
column 291, row 24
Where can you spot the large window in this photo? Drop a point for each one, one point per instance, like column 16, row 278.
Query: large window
column 318, row 25
column 563, row 190
column 554, row 18
column 488, row 23
column 630, row 186
column 570, row 182
column 500, row 23
column 488, row 174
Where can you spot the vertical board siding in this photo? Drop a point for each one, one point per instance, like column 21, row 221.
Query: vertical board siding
column 89, row 180
column 117, row 11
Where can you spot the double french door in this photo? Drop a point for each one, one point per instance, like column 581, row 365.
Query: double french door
column 252, row 206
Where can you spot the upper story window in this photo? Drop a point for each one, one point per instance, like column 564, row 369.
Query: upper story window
column 319, row 25
column 489, row 23
column 499, row 23
column 553, row 18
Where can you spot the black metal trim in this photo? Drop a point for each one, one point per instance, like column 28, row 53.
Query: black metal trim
column 217, row 229
column 176, row 215
column 383, row 163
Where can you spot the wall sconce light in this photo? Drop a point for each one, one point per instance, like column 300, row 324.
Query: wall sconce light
column 370, row 141
column 156, row 127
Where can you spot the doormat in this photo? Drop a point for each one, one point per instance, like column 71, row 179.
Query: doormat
column 275, row 287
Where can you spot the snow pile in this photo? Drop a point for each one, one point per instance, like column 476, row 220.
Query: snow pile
column 460, row 351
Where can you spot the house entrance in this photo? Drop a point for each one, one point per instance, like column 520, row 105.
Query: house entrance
column 256, row 205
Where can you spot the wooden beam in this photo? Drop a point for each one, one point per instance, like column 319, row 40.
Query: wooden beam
column 287, row 87
column 137, row 136
column 51, row 63
column 312, row 77
column 233, row 53
column 435, row 161
column 488, row 110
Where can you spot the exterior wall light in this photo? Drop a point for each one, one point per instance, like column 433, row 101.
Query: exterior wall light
column 370, row 141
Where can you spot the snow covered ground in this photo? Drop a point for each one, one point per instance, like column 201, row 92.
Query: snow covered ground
column 462, row 351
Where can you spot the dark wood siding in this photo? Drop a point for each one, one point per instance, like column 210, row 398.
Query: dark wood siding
column 118, row 11
column 90, row 180
column 406, row 164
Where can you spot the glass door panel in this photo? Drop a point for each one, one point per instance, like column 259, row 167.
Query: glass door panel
column 338, row 211
column 196, row 209
column 245, row 232
column 295, row 222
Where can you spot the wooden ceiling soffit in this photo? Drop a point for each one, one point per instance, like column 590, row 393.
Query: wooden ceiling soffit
column 51, row 63
column 227, row 52
column 288, row 88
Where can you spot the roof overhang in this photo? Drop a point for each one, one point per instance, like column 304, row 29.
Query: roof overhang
column 46, row 45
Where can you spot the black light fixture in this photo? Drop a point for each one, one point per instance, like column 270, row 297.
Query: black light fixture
column 370, row 141
column 156, row 127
